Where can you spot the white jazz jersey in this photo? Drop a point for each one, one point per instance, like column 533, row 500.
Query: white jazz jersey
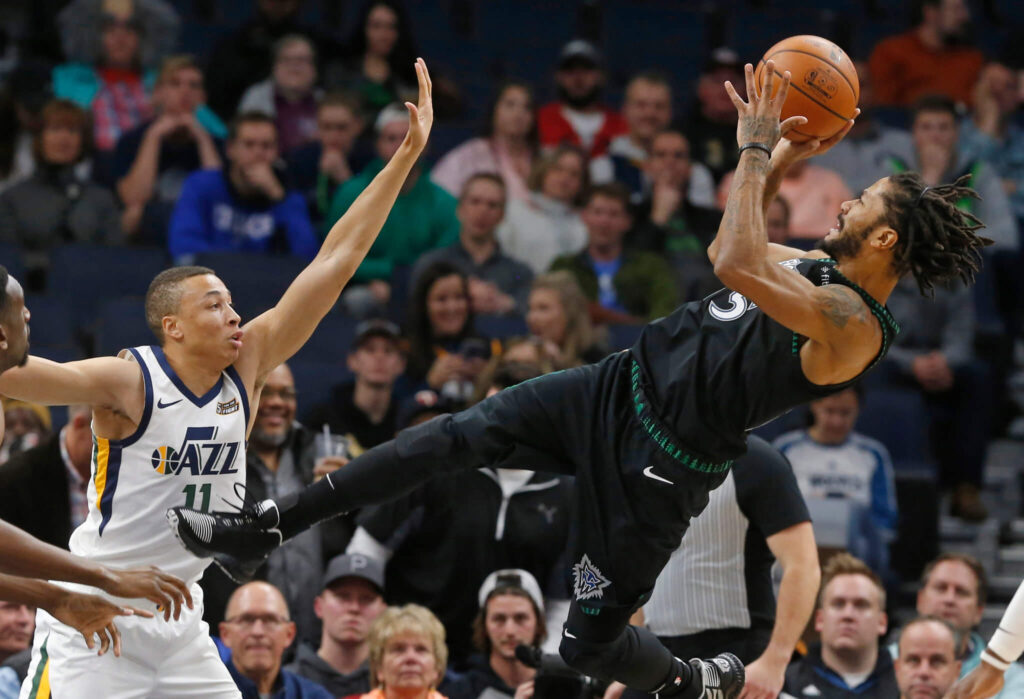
column 188, row 450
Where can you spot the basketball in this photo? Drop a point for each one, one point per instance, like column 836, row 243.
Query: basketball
column 824, row 86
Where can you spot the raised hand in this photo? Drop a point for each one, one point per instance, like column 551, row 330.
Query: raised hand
column 94, row 616
column 982, row 682
column 759, row 115
column 421, row 115
column 149, row 583
column 791, row 151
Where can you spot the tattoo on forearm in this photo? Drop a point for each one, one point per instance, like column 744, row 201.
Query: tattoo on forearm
column 838, row 304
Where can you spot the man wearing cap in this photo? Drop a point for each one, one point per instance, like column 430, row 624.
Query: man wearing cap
column 498, row 284
column 365, row 410
column 352, row 597
column 511, row 614
column 578, row 117
column 422, row 218
column 281, row 458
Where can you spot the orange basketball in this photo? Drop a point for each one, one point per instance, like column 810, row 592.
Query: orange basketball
column 824, row 86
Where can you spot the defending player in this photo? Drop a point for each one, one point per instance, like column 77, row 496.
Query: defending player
column 22, row 555
column 650, row 431
column 170, row 425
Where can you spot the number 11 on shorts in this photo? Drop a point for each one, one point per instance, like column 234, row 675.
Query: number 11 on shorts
column 190, row 496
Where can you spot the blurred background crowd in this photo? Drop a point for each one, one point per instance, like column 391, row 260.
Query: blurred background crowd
column 576, row 171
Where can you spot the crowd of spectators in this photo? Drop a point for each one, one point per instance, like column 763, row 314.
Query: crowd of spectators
column 537, row 244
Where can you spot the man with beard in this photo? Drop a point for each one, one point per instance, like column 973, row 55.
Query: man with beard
column 934, row 57
column 578, row 117
column 649, row 431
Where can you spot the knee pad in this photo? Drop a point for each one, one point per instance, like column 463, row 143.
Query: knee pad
column 430, row 438
column 591, row 658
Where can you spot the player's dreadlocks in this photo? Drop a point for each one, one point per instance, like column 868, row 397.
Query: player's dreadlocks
column 938, row 241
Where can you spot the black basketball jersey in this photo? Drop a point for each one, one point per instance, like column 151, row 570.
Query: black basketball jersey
column 719, row 367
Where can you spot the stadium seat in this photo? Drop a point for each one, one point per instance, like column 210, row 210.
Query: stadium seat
column 330, row 342
column 255, row 281
column 896, row 417
column 121, row 323
column 87, row 275
column 10, row 258
column 500, row 327
column 314, row 382
column 51, row 323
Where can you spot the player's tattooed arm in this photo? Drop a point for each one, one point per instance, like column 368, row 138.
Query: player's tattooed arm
column 840, row 304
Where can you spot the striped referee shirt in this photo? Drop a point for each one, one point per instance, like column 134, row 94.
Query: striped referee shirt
column 720, row 576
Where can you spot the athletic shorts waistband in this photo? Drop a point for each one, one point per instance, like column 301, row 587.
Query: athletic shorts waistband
column 663, row 436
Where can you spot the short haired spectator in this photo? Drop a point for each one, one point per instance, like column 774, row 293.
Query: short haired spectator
column 246, row 207
column 926, row 665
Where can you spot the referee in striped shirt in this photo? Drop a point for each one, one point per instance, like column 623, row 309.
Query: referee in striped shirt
column 716, row 592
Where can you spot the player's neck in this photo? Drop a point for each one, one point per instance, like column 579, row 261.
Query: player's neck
column 195, row 372
column 346, row 658
column 870, row 276
column 512, row 672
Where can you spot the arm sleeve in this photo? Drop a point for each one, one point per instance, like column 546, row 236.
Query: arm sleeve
column 302, row 240
column 1008, row 640
column 392, row 523
column 767, row 491
column 189, row 232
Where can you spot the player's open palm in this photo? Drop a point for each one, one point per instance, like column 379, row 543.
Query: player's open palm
column 982, row 682
column 759, row 114
column 421, row 115
column 93, row 617
column 153, row 584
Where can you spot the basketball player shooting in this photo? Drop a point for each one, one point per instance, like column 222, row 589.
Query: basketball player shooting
column 170, row 425
column 649, row 431
column 23, row 557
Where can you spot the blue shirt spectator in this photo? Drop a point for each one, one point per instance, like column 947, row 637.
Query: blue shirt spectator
column 245, row 208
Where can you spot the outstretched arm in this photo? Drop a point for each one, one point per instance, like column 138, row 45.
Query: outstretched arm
column 1006, row 645
column 23, row 555
column 277, row 334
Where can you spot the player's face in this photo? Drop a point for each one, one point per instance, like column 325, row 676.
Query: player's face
column 951, row 594
column 510, row 621
column 546, row 316
column 606, row 220
column 348, row 608
column 481, row 208
column 857, row 219
column 927, row 665
column 14, row 331
column 564, row 179
column 648, row 109
column 408, row 663
column 513, row 114
column 277, row 408
column 851, row 616
column 206, row 324
column 17, row 622
column 378, row 361
column 447, row 306
column 835, row 416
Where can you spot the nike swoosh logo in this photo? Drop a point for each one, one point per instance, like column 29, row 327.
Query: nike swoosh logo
column 160, row 403
column 568, row 635
column 649, row 472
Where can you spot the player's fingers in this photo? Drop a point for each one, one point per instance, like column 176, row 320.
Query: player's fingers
column 430, row 81
column 791, row 123
column 748, row 75
column 780, row 97
column 768, row 91
column 90, row 643
column 734, row 96
column 134, row 611
column 104, row 641
column 115, row 633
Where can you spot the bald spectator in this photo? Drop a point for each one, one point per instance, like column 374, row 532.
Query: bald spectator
column 934, row 57
column 863, row 156
column 926, row 666
column 46, row 487
column 648, row 111
column 711, row 126
column 579, row 118
column 257, row 629
column 814, row 193
column 352, row 598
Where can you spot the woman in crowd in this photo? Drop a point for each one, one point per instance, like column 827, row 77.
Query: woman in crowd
column 379, row 67
column 558, row 314
column 546, row 224
column 507, row 148
column 445, row 351
column 56, row 204
column 408, row 655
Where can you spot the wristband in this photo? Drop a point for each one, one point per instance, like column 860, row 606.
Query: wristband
column 758, row 146
column 995, row 662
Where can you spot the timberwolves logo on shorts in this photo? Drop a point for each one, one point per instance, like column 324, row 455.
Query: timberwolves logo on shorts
column 587, row 580
column 198, row 455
